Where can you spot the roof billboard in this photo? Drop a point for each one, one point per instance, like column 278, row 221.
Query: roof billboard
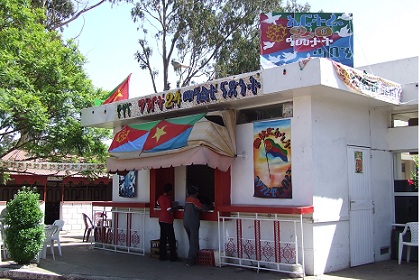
column 290, row 37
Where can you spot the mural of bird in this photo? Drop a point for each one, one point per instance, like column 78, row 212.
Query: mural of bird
column 346, row 16
column 344, row 32
column 266, row 63
column 271, row 19
column 274, row 59
column 268, row 45
column 288, row 56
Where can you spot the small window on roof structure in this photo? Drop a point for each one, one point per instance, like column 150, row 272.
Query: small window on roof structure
column 276, row 111
column 405, row 119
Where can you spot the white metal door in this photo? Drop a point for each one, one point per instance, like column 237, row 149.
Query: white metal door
column 361, row 206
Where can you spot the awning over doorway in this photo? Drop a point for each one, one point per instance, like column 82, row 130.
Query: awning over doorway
column 207, row 139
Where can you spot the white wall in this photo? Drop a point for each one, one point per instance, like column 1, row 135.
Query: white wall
column 302, row 151
column 401, row 71
column 382, row 181
column 71, row 214
column 242, row 170
column 336, row 125
column 403, row 138
column 330, row 125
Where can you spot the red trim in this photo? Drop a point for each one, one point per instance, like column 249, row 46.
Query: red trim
column 128, row 236
column 239, row 237
column 277, row 245
column 121, row 204
column 267, row 209
column 153, row 195
column 158, row 178
column 222, row 189
column 115, row 225
column 257, row 233
column 29, row 179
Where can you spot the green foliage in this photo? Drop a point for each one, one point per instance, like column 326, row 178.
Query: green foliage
column 43, row 88
column 56, row 11
column 24, row 234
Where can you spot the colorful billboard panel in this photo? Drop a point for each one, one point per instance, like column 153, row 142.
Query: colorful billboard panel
column 290, row 37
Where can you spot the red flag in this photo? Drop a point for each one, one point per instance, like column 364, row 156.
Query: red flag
column 170, row 134
column 129, row 137
column 119, row 93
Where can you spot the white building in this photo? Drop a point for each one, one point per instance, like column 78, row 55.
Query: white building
column 345, row 150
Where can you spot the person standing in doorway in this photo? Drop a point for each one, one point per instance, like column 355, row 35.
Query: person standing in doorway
column 193, row 208
column 166, row 223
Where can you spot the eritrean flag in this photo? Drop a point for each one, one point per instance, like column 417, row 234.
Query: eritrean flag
column 274, row 149
column 121, row 92
column 154, row 136
column 131, row 138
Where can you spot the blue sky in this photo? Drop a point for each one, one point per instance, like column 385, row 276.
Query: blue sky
column 384, row 30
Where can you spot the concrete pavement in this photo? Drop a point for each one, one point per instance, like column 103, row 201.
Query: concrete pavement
column 79, row 261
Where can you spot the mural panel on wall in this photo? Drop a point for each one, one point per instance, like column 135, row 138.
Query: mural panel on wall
column 272, row 159
column 127, row 184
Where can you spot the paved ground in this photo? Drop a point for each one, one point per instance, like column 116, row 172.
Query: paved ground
column 79, row 261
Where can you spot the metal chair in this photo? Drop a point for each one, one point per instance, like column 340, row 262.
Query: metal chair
column 413, row 229
column 56, row 236
column 89, row 226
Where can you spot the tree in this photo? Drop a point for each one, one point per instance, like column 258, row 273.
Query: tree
column 43, row 88
column 201, row 39
column 59, row 13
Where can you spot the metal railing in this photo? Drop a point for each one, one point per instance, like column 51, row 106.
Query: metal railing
column 119, row 230
column 262, row 241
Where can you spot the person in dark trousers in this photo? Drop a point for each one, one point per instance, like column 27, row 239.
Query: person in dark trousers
column 192, row 210
column 166, row 223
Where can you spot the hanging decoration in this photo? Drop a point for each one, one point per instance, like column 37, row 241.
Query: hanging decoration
column 127, row 184
column 368, row 84
column 52, row 166
column 272, row 159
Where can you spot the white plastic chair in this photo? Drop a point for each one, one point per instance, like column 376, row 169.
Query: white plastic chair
column 56, row 236
column 49, row 232
column 3, row 248
column 414, row 240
